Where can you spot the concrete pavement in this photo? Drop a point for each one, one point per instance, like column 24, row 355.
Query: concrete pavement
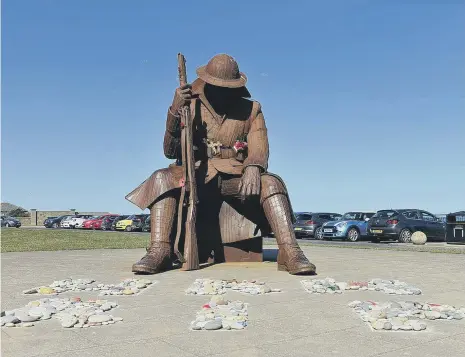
column 291, row 323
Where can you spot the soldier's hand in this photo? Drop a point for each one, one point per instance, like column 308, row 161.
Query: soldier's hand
column 250, row 183
column 182, row 97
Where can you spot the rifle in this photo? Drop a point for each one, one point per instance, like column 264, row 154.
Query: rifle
column 190, row 258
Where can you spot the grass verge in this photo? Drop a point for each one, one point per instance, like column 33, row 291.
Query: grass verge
column 28, row 240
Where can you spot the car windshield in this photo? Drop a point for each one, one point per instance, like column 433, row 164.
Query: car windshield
column 303, row 216
column 349, row 216
column 385, row 214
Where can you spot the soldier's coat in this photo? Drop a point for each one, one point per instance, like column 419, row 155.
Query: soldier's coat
column 245, row 118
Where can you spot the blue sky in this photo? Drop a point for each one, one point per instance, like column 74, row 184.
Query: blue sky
column 364, row 100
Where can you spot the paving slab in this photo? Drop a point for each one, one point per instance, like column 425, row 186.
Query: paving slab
column 290, row 323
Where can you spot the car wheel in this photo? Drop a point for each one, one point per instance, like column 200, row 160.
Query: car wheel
column 7, row 225
column 319, row 233
column 353, row 235
column 405, row 236
column 128, row 229
column 103, row 228
column 55, row 225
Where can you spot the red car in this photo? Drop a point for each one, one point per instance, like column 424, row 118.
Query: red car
column 97, row 222
column 89, row 223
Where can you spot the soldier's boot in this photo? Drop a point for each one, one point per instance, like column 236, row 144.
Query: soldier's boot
column 158, row 256
column 290, row 257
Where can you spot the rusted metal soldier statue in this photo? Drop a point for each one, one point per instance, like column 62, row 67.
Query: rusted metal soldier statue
column 231, row 160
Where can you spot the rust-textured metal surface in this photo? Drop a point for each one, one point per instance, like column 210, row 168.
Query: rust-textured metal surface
column 190, row 257
column 158, row 256
column 250, row 250
column 235, row 227
column 229, row 218
column 159, row 183
column 290, row 256
column 222, row 71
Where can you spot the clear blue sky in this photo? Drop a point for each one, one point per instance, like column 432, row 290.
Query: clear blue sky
column 364, row 100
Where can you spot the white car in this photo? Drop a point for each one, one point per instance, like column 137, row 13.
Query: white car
column 65, row 222
column 79, row 220
column 74, row 221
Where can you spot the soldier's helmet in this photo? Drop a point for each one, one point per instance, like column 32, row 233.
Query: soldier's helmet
column 222, row 71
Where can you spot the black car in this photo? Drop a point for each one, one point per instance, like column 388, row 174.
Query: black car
column 118, row 218
column 393, row 224
column 146, row 226
column 10, row 222
column 138, row 221
column 108, row 221
column 54, row 222
column 308, row 224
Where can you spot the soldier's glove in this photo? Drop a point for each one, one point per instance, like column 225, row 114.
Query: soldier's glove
column 182, row 97
column 250, row 183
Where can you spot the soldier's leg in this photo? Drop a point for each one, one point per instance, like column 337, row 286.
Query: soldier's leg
column 275, row 203
column 158, row 256
column 277, row 210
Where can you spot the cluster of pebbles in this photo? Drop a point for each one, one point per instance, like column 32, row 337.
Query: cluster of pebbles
column 404, row 315
column 71, row 312
column 126, row 287
column 221, row 314
column 331, row 286
column 219, row 287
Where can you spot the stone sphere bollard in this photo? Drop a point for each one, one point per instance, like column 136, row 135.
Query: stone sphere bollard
column 419, row 238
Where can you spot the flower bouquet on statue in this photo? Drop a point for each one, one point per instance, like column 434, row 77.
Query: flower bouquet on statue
column 240, row 147
column 221, row 314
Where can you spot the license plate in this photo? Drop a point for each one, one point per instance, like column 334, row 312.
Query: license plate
column 377, row 231
column 328, row 230
column 297, row 229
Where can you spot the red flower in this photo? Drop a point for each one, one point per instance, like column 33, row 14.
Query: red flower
column 240, row 145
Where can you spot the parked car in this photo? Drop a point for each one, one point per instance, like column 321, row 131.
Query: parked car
column 309, row 224
column 351, row 226
column 107, row 222
column 78, row 220
column 69, row 221
column 97, row 222
column 126, row 224
column 116, row 220
column 146, row 227
column 399, row 224
column 10, row 222
column 48, row 220
column 88, row 223
column 54, row 222
column 138, row 223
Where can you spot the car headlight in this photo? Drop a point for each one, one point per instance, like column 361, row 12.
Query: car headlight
column 340, row 225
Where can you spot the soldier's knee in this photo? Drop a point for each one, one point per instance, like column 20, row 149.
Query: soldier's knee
column 162, row 175
column 270, row 186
